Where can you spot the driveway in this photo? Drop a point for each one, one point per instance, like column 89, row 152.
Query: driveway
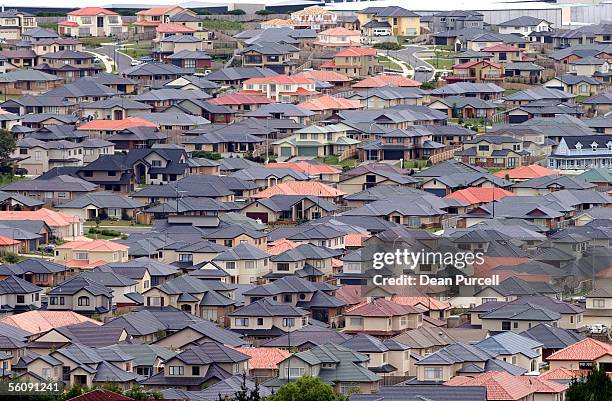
column 408, row 55
column 123, row 61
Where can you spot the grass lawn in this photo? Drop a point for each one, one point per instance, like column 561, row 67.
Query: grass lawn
column 221, row 25
column 115, row 223
column 580, row 98
column 138, row 49
column 48, row 25
column 6, row 179
column 388, row 63
column 416, row 164
column 93, row 42
column 442, row 63
column 333, row 161
column 493, row 170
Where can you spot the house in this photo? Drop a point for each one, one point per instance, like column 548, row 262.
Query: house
column 275, row 56
column 90, row 254
column 374, row 175
column 334, row 39
column 314, row 17
column 281, row 88
column 406, row 144
column 190, row 59
column 328, row 362
column 478, row 71
column 234, row 76
column 24, row 82
column 381, row 317
column 36, row 271
column 304, row 188
column 42, row 321
column 581, row 153
column 102, row 205
column 524, row 26
column 537, row 93
column 18, row 295
column 199, row 367
column 578, row 85
column 586, row 354
column 91, row 21
column 600, row 104
column 149, row 75
column 326, row 106
column 148, row 20
column 114, row 108
column 455, row 20
column 524, row 173
column 266, row 318
column 241, row 102
column 244, row 263
column 464, row 107
column 69, row 65
column 20, row 58
column 14, row 23
column 145, row 271
column 589, row 67
column 316, row 141
column 484, row 91
column 62, row 225
column 523, row 71
column 312, row 259
column 81, row 294
column 552, row 338
column 493, row 151
column 398, row 20
column 288, row 208
column 354, row 62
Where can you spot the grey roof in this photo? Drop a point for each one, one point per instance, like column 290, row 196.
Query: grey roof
column 552, row 337
column 289, row 284
column 456, row 353
column 510, row 343
column 425, row 392
column 515, row 286
column 108, row 373
column 268, row 307
column 242, row 251
column 524, row 311
column 523, row 66
column 279, row 109
column 539, row 93
column 81, row 283
column 27, row 75
column 121, row 102
column 151, row 69
column 173, row 118
column 209, row 352
column 91, row 334
column 59, row 183
column 84, row 87
column 144, row 354
column 239, row 73
column 525, row 20
column 101, row 200
column 135, row 268
column 463, row 88
column 572, row 79
column 307, row 335
column 189, row 55
column 16, row 285
column 188, row 204
column 170, row 94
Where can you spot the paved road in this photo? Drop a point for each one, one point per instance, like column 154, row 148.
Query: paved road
column 408, row 55
column 123, row 61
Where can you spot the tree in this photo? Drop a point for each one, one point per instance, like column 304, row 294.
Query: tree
column 597, row 386
column 306, row 389
column 237, row 11
column 7, row 146
column 244, row 394
column 138, row 393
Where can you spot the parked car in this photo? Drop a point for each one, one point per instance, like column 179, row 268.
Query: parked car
column 146, row 59
column 135, row 62
column 423, row 68
column 599, row 328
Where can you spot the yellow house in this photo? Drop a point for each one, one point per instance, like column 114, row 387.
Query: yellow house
column 89, row 254
column 401, row 21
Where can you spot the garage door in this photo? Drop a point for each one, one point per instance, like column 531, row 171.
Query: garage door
column 258, row 216
column 307, row 151
column 285, row 151
column 441, row 192
column 394, row 154
column 518, row 119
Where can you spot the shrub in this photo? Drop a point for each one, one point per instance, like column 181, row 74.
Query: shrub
column 237, row 11
column 387, row 46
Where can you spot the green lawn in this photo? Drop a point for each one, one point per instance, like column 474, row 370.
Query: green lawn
column 344, row 164
column 442, row 63
column 580, row 98
column 138, row 49
column 388, row 63
column 221, row 25
column 114, row 223
column 6, row 179
column 48, row 25
column 93, row 42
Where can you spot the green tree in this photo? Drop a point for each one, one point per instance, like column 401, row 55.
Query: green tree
column 7, row 146
column 597, row 386
column 306, row 389
column 138, row 393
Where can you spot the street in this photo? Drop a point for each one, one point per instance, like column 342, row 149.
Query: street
column 408, row 55
column 123, row 61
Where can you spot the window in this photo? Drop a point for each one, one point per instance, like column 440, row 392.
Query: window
column 284, row 267
column 249, row 264
column 433, row 373
column 599, row 303
column 83, row 301
column 46, row 373
column 176, row 370
column 20, row 299
column 356, row 321
column 38, row 155
column 260, row 321
column 230, row 265
column 185, row 257
column 506, row 326
column 294, row 372
column 242, row 322
column 80, row 255
column 288, row 322
column 195, row 371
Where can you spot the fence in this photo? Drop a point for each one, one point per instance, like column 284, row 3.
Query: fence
column 446, row 155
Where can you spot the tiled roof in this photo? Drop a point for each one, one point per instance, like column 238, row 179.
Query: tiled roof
column 425, row 302
column 91, row 11
column 264, row 357
column 525, row 172
column 503, row 386
column 585, row 350
column 380, row 307
column 329, row 76
column 279, row 246
column 101, row 395
column 116, row 125
column 41, row 321
column 340, row 31
column 357, row 51
column 387, row 80
column 469, row 64
column 173, row 27
column 156, row 10
column 500, row 48
column 51, row 217
column 280, row 79
column 327, row 102
column 99, row 245
column 239, row 98
column 307, row 167
column 474, row 195
column 311, row 188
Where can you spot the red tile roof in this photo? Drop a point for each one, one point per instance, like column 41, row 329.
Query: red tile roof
column 387, row 80
column 91, row 11
column 173, row 27
column 327, row 102
column 311, row 188
column 53, row 218
column 501, row 48
column 99, row 245
column 501, row 386
column 41, row 321
column 340, row 31
column 584, row 350
column 5, row 241
column 234, row 99
column 156, row 10
column 355, row 239
column 67, row 23
column 329, row 76
column 356, row 51
column 116, row 125
column 306, row 167
column 559, row 374
column 299, row 91
column 425, row 302
column 475, row 195
column 101, row 395
column 264, row 357
column 279, row 246
column 380, row 307
column 525, row 172
column 350, row 294
column 470, row 64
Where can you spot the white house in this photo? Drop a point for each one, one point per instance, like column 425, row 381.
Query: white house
column 91, row 21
